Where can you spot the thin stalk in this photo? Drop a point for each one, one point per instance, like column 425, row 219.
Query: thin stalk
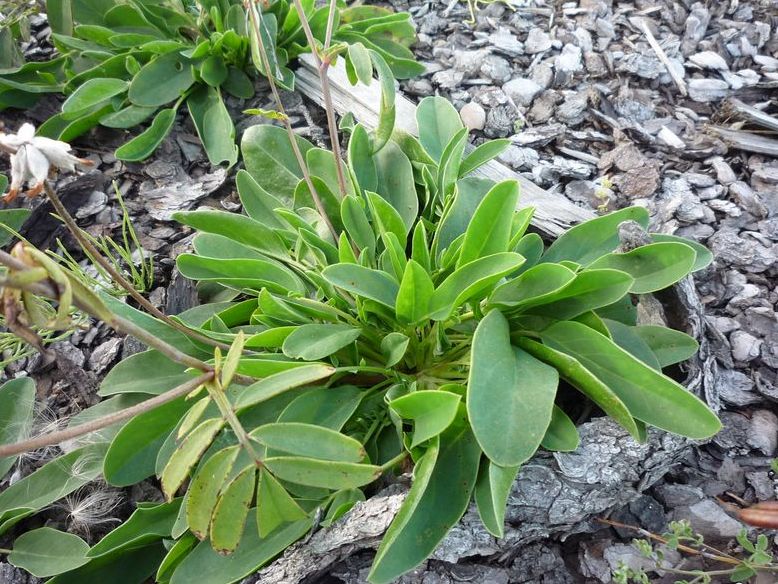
column 96, row 256
column 53, row 438
column 689, row 550
column 225, row 408
column 253, row 16
column 47, row 289
column 321, row 66
column 396, row 460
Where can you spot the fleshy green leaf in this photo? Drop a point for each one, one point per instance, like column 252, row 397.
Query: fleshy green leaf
column 473, row 279
column 92, row 93
column 309, row 440
column 561, row 435
column 269, row 158
column 149, row 372
column 431, row 411
column 161, row 80
column 589, row 290
column 668, row 345
column 17, row 402
column 275, row 506
column 205, row 566
column 214, row 125
column 133, row 452
column 239, row 228
column 530, row 287
column 572, row 371
column 204, row 490
column 441, row 490
column 626, row 338
column 145, row 525
column 394, row 182
column 483, row 154
column 315, row 341
column 278, row 383
column 490, row 228
column 373, row 284
column 704, row 256
column 231, row 511
column 360, row 61
column 491, row 494
column 47, row 552
column 393, row 347
column 241, row 273
column 143, row 145
column 438, row 121
column 592, row 239
column 649, row 395
column 510, row 394
column 654, row 267
column 322, row 473
column 414, row 295
column 187, row 454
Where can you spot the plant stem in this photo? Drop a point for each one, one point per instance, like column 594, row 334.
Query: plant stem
column 396, row 460
column 105, row 421
column 47, row 289
column 660, row 539
column 5, row 551
column 253, row 16
column 225, row 408
column 321, row 66
column 95, row 255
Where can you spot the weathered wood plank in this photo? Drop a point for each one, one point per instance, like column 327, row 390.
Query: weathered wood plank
column 553, row 213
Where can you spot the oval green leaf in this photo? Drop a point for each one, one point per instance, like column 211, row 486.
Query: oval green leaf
column 510, row 394
column 310, row 441
column 316, row 341
column 649, row 395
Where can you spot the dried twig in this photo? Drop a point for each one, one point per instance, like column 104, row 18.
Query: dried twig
column 103, row 422
column 660, row 52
